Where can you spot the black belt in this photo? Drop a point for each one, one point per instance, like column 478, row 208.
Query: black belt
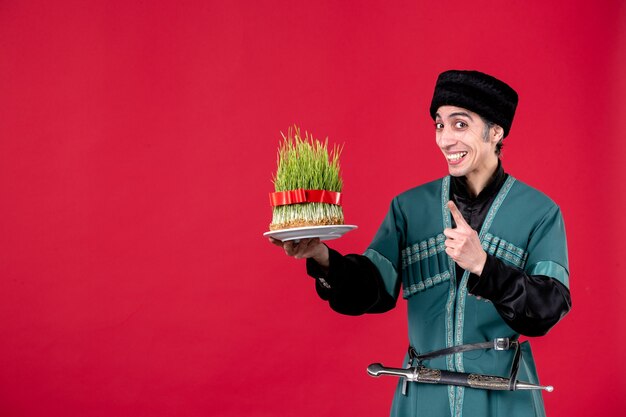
column 501, row 343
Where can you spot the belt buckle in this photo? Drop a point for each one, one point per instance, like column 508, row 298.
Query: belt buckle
column 501, row 343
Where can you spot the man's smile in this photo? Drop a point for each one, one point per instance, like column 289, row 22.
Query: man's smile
column 454, row 158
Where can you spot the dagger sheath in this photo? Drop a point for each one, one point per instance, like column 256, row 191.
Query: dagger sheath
column 437, row 376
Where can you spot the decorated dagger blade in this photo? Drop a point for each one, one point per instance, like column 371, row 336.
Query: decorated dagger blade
column 437, row 376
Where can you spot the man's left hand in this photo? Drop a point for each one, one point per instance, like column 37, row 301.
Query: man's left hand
column 463, row 244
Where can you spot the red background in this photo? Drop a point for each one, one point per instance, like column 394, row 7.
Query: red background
column 137, row 144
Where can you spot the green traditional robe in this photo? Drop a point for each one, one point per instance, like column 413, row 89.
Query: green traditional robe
column 523, row 228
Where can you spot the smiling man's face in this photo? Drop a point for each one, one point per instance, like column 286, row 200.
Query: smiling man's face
column 467, row 143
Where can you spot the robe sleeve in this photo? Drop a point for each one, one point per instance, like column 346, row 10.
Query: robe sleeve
column 531, row 300
column 369, row 283
column 530, row 304
column 352, row 285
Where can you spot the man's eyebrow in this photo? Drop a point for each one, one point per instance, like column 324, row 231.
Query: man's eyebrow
column 461, row 113
column 455, row 114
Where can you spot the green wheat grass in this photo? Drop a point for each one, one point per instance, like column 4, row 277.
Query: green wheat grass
column 306, row 163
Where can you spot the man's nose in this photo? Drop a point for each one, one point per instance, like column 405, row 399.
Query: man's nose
column 445, row 137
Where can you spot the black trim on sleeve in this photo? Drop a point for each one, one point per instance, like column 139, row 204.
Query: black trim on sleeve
column 354, row 285
column 530, row 304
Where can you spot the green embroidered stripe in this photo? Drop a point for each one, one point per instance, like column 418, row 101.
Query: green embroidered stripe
column 447, row 223
column 550, row 269
column 427, row 283
column 422, row 250
column 504, row 191
column 460, row 319
column 504, row 250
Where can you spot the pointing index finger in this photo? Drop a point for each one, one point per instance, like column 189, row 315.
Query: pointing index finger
column 456, row 214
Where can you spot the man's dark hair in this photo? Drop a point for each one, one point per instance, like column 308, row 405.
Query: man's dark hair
column 488, row 126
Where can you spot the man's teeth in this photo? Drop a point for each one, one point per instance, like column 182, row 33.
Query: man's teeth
column 455, row 156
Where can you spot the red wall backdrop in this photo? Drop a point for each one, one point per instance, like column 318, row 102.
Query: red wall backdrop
column 137, row 144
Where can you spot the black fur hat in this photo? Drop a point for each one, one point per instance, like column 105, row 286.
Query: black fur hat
column 478, row 92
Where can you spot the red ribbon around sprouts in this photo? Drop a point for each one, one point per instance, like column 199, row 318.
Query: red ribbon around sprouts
column 281, row 198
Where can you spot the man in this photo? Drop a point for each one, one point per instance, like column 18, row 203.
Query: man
column 479, row 255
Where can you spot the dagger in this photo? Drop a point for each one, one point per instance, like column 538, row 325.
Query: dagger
column 438, row 376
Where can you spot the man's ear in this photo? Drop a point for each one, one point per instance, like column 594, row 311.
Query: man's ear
column 497, row 133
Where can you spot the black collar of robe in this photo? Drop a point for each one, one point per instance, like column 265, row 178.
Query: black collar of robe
column 474, row 209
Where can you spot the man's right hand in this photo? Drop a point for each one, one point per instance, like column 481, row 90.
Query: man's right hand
column 305, row 248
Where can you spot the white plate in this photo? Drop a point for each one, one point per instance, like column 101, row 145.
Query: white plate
column 323, row 232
